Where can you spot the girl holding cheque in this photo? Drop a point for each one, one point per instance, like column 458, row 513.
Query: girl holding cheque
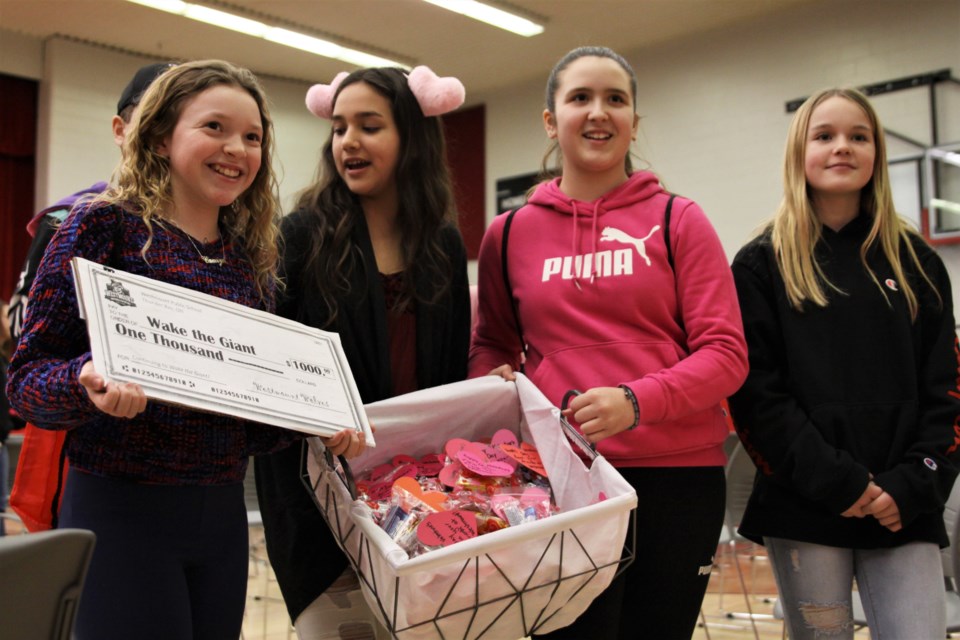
column 161, row 486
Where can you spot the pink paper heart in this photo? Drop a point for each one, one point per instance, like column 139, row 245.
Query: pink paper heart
column 476, row 458
column 447, row 527
column 527, row 455
column 453, row 446
column 448, row 475
column 504, row 436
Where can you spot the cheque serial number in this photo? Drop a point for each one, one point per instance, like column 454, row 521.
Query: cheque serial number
column 234, row 394
column 156, row 375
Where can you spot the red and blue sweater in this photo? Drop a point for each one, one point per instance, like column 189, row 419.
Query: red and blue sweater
column 165, row 444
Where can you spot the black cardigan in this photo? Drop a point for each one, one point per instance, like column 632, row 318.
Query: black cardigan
column 301, row 547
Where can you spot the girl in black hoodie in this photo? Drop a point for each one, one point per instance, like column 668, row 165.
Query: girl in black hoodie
column 850, row 406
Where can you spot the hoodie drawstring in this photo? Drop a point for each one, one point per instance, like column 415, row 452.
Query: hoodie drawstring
column 576, row 244
column 593, row 248
column 573, row 250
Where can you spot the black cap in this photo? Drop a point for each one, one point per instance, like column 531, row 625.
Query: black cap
column 141, row 80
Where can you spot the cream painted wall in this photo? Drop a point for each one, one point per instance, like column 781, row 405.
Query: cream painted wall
column 713, row 118
column 79, row 88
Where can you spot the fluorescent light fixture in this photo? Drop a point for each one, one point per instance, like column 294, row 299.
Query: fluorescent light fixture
column 259, row 29
column 491, row 15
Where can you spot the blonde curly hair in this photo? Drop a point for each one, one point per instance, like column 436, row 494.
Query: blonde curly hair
column 142, row 180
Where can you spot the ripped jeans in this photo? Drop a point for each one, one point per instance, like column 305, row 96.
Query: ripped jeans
column 901, row 589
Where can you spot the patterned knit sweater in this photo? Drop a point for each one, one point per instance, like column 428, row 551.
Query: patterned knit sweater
column 165, row 444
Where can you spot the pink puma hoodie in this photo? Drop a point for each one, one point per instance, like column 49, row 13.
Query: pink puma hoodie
column 600, row 305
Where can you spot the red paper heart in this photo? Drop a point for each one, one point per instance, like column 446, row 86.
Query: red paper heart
column 378, row 491
column 430, row 465
column 380, row 471
column 527, row 455
column 447, row 527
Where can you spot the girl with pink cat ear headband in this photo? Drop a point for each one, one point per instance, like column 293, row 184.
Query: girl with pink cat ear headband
column 372, row 252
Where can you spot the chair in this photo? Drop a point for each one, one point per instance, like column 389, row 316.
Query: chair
column 43, row 575
column 740, row 472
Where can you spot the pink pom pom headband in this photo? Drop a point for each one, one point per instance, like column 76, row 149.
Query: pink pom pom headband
column 435, row 95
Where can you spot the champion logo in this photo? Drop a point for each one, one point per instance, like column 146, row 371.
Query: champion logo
column 891, row 284
column 931, row 463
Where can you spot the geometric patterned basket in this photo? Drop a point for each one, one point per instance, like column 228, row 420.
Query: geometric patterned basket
column 507, row 584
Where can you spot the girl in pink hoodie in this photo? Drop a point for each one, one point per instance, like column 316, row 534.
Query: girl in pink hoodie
column 613, row 296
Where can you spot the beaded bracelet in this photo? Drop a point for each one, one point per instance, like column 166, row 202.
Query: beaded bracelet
column 636, row 407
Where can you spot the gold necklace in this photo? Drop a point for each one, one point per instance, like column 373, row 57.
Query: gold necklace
column 206, row 259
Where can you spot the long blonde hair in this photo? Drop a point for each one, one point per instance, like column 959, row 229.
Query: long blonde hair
column 796, row 230
column 142, row 180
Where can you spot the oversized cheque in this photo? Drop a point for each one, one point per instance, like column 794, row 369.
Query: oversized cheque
column 206, row 353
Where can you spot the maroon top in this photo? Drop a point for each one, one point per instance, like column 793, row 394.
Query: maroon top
column 401, row 334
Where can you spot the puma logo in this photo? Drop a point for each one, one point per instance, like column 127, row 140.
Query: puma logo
column 612, row 233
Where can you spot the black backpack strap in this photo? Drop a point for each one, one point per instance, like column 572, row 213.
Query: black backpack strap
column 506, row 276
column 666, row 230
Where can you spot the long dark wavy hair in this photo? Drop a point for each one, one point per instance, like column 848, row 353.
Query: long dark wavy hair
column 425, row 202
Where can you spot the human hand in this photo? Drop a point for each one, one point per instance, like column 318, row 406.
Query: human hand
column 346, row 442
column 884, row 508
column 601, row 412
column 117, row 399
column 856, row 510
column 505, row 371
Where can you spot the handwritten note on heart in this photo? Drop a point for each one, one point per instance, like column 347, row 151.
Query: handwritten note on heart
column 447, row 527
column 475, row 457
column 376, row 490
column 527, row 455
